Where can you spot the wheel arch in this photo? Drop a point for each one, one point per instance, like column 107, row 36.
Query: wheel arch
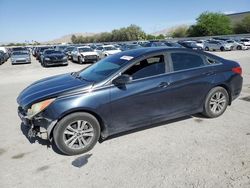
column 228, row 91
column 103, row 128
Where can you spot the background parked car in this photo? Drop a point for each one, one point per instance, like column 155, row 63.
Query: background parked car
column 246, row 42
column 61, row 47
column 173, row 44
column 51, row 57
column 106, row 50
column 217, row 45
column 190, row 45
column 130, row 47
column 68, row 51
column 84, row 54
column 40, row 52
column 237, row 45
column 2, row 57
column 20, row 57
column 154, row 44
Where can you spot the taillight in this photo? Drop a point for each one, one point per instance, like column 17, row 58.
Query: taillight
column 237, row 70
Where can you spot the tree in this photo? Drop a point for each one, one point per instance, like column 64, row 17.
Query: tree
column 209, row 23
column 243, row 26
column 151, row 37
column 73, row 39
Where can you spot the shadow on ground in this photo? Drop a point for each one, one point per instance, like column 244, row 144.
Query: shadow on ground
column 81, row 161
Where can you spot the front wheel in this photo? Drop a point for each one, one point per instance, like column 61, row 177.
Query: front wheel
column 76, row 133
column 222, row 49
column 216, row 102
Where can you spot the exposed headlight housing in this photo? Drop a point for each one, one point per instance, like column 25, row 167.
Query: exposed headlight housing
column 38, row 107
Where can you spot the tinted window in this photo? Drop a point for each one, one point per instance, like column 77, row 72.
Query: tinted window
column 182, row 61
column 103, row 68
column 148, row 67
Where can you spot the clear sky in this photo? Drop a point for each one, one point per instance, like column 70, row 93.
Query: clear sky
column 43, row 20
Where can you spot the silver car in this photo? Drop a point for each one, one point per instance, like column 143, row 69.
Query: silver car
column 20, row 57
column 217, row 45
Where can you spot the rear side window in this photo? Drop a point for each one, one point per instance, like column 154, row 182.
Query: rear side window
column 183, row 61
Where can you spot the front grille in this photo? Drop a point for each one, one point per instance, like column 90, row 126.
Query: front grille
column 21, row 61
column 91, row 57
column 56, row 58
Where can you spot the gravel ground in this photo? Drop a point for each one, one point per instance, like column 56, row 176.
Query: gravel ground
column 187, row 152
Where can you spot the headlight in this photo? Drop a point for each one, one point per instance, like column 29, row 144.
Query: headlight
column 64, row 58
column 38, row 107
column 47, row 59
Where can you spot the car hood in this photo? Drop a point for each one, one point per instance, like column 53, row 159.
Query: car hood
column 49, row 88
column 88, row 53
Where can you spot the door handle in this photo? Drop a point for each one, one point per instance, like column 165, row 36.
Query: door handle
column 164, row 84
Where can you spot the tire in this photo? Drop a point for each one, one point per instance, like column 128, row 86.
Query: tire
column 216, row 102
column 239, row 48
column 79, row 60
column 67, row 138
column 207, row 49
column 222, row 49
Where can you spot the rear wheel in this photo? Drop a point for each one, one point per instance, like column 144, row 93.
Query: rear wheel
column 76, row 133
column 239, row 48
column 216, row 102
column 222, row 49
column 207, row 49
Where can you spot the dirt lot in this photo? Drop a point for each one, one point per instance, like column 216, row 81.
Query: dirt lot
column 187, row 152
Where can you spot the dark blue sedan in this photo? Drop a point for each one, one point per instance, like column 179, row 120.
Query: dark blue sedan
column 128, row 90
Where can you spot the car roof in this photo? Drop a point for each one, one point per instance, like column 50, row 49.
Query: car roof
column 149, row 50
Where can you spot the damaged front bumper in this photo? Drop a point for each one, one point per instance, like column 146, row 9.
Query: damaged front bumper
column 38, row 126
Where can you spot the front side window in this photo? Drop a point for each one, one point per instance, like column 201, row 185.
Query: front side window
column 104, row 68
column 183, row 61
column 148, row 67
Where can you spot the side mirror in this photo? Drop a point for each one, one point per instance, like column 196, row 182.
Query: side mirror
column 122, row 80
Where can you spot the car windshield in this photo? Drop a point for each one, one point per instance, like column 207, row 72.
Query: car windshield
column 52, row 52
column 107, row 48
column 85, row 49
column 104, row 68
column 20, row 53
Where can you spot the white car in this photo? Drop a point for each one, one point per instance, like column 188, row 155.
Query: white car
column 107, row 50
column 245, row 41
column 237, row 45
column 84, row 54
column 217, row 45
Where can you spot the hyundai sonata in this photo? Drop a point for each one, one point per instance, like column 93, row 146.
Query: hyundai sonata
column 125, row 91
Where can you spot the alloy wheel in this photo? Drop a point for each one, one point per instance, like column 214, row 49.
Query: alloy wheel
column 78, row 134
column 217, row 102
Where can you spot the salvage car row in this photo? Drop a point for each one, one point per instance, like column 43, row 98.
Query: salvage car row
column 91, row 53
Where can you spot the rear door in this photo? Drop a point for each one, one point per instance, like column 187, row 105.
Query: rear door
column 189, row 81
